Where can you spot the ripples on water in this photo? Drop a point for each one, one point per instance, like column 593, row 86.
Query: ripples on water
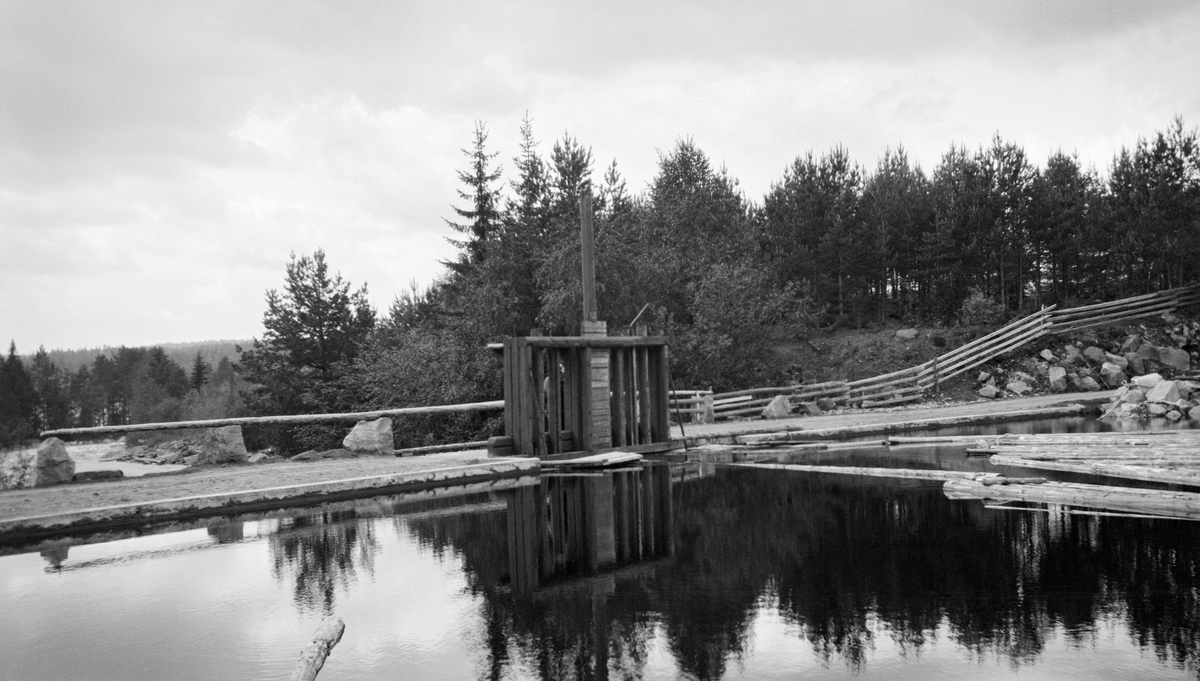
column 772, row 576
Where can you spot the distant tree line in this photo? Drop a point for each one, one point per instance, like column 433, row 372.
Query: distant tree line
column 120, row 387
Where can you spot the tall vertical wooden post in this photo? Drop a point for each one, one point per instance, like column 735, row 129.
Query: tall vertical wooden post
column 599, row 408
column 588, row 253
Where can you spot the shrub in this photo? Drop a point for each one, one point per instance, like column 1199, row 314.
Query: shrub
column 980, row 309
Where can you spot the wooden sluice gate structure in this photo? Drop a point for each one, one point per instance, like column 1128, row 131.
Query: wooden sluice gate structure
column 583, row 524
column 573, row 394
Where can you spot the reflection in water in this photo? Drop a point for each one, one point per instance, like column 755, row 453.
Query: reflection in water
column 845, row 561
column 564, row 573
column 321, row 552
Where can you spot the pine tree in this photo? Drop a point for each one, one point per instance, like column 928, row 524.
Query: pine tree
column 18, row 400
column 200, row 373
column 484, row 214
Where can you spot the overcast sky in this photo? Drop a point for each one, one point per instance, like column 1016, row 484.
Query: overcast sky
column 159, row 161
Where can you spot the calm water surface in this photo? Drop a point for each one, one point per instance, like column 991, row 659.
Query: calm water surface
column 769, row 576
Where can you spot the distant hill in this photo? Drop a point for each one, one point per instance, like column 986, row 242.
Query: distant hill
column 182, row 353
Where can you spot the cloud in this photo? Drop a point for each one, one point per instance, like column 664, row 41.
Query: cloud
column 160, row 161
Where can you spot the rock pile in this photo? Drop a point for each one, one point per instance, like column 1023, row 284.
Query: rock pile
column 1091, row 368
column 190, row 446
column 1153, row 396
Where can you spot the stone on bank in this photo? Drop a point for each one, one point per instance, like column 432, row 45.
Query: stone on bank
column 49, row 464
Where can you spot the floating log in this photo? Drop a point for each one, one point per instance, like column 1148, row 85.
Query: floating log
column 606, row 460
column 1157, row 502
column 294, row 419
column 910, row 473
column 1162, row 474
column 923, row 424
column 312, row 658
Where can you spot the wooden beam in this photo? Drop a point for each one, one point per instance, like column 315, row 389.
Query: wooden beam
column 588, row 252
column 294, row 419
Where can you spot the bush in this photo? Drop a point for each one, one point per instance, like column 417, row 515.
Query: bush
column 980, row 309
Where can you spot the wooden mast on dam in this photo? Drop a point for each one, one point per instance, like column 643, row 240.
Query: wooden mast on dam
column 565, row 396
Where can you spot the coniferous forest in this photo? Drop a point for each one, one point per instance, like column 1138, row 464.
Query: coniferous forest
column 985, row 235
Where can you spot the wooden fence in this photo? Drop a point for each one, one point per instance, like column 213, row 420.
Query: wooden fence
column 911, row 384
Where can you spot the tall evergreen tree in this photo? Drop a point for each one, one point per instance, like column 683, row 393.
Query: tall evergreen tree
column 483, row 216
column 314, row 329
column 200, row 373
column 18, row 400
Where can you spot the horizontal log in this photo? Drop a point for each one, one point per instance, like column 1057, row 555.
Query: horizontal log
column 896, row 427
column 1174, row 476
column 293, row 419
column 908, row 473
column 1157, row 502
column 433, row 449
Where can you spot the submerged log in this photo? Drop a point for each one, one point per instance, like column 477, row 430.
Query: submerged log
column 312, row 658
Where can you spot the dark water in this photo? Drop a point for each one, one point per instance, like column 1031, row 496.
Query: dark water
column 763, row 576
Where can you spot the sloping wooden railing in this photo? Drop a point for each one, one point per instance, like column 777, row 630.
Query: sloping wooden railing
column 911, row 384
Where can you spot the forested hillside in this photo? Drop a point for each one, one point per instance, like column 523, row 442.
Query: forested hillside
column 985, row 235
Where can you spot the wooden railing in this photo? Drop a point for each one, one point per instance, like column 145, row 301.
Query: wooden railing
column 691, row 406
column 911, row 384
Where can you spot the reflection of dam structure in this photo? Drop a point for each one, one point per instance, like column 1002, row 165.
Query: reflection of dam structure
column 574, row 524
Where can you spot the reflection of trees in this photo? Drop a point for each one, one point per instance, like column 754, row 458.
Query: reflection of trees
column 321, row 552
column 844, row 560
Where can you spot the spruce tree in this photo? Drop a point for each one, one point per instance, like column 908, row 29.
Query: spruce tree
column 483, row 217
column 200, row 373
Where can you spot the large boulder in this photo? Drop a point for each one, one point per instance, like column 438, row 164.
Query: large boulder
column 907, row 334
column 1194, row 413
column 1147, row 381
column 1071, row 354
column 1017, row 387
column 1058, row 379
column 1117, row 359
column 827, row 403
column 1147, row 352
column 49, row 464
column 1047, row 355
column 1089, row 384
column 371, row 437
column 989, row 391
column 1094, row 354
column 1166, row 391
column 1112, row 375
column 1134, row 363
column 1177, row 359
column 1131, row 344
